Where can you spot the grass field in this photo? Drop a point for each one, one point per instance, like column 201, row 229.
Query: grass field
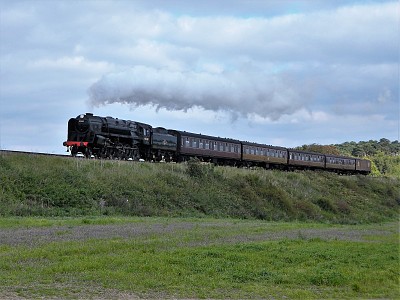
column 79, row 229
column 128, row 258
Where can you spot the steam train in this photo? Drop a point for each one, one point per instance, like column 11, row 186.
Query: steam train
column 112, row 138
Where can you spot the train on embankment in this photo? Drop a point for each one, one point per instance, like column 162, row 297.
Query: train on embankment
column 112, row 138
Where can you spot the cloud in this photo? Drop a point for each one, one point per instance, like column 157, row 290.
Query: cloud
column 265, row 66
column 242, row 93
column 71, row 63
column 385, row 96
column 289, row 71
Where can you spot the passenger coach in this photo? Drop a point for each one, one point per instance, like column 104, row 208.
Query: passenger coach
column 209, row 148
column 264, row 155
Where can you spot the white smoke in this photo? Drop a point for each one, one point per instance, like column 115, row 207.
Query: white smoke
column 239, row 93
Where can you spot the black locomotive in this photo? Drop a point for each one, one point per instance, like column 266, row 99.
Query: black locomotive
column 107, row 137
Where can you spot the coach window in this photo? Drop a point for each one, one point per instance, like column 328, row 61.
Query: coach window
column 201, row 144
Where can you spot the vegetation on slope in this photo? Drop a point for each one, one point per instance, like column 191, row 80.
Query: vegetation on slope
column 55, row 186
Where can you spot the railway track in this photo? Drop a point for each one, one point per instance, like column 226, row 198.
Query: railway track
column 32, row 153
column 79, row 156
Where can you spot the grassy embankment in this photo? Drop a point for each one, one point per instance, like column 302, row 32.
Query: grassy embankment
column 211, row 258
column 54, row 186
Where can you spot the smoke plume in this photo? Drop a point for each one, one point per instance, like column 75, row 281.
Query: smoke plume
column 239, row 93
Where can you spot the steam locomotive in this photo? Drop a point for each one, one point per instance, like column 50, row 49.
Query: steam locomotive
column 112, row 138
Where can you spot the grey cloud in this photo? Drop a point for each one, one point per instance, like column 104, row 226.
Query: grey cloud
column 256, row 60
column 243, row 93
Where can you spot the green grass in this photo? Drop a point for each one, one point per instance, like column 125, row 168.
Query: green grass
column 54, row 186
column 180, row 265
column 222, row 254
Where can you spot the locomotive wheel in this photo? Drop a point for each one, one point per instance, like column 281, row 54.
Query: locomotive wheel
column 88, row 153
column 74, row 151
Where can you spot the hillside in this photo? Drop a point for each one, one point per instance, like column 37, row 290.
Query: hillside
column 56, row 186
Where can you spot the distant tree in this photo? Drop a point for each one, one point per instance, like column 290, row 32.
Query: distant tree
column 381, row 162
column 395, row 148
column 358, row 151
column 325, row 149
column 384, row 145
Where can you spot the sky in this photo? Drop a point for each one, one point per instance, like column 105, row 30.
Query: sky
column 278, row 72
